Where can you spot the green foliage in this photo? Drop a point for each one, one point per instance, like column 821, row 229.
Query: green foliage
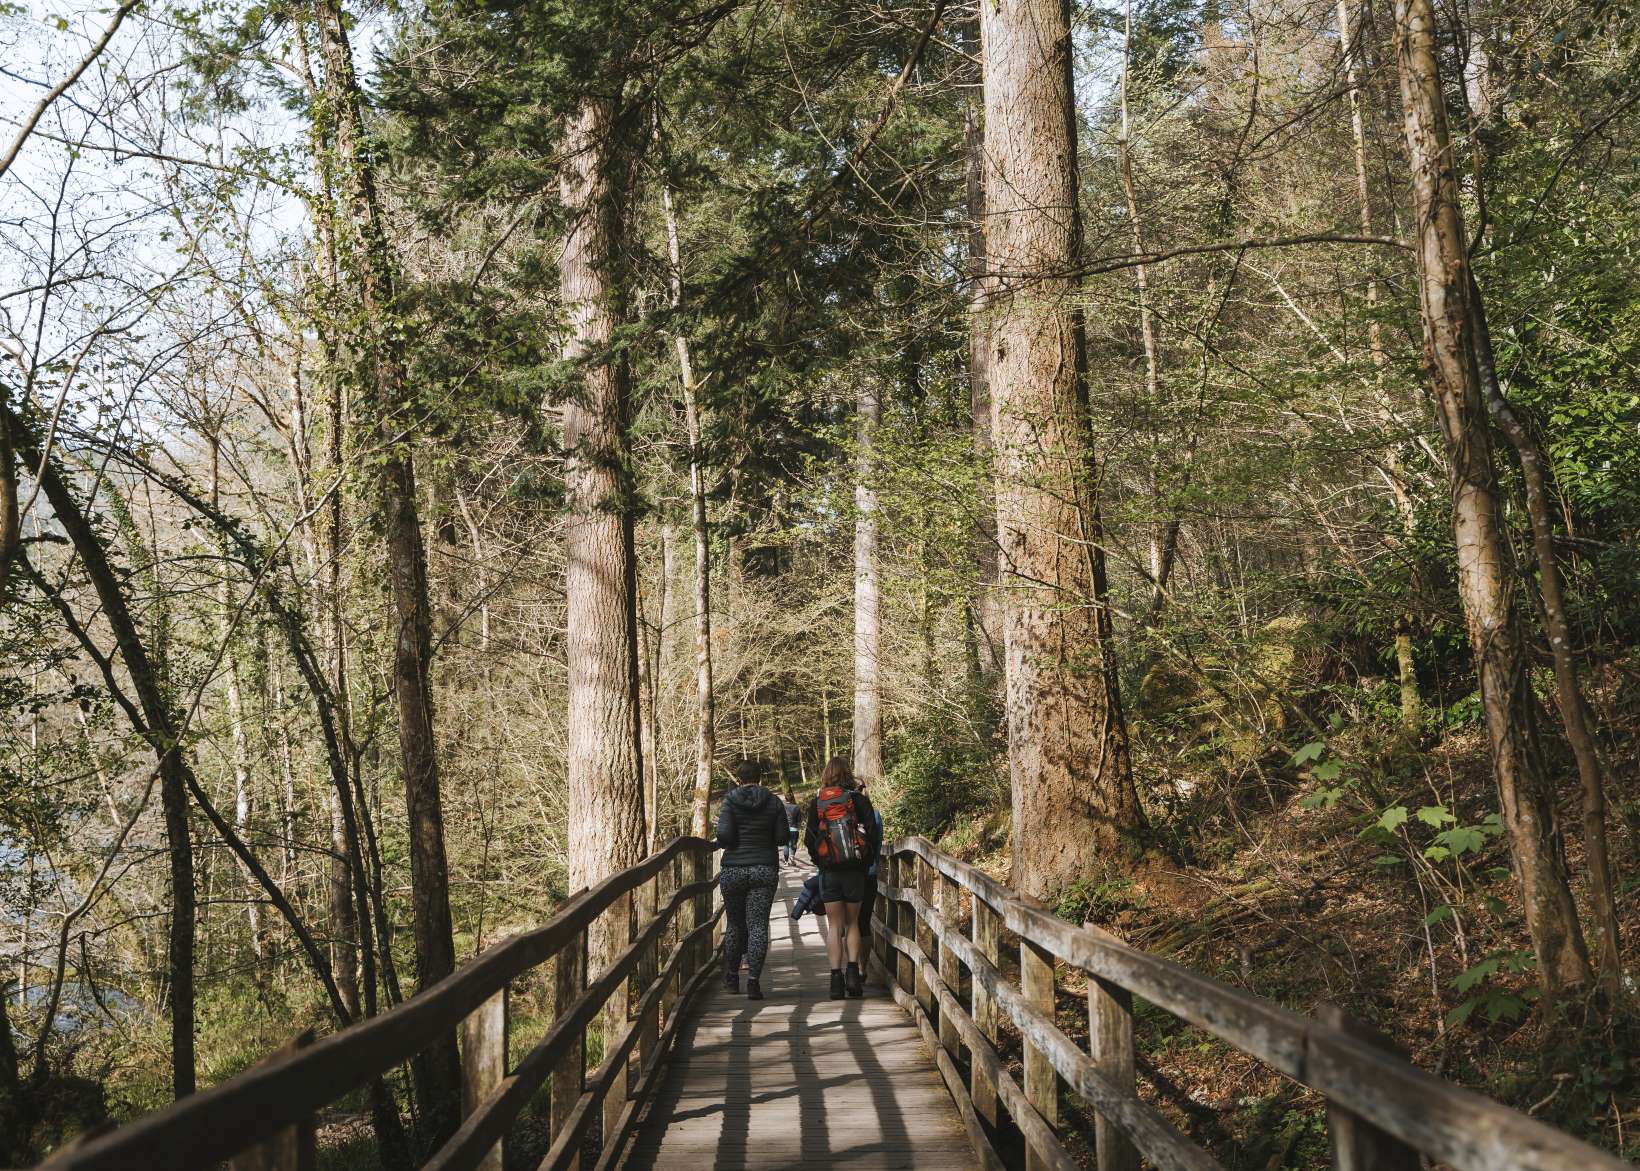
column 1098, row 900
column 937, row 775
column 1487, row 993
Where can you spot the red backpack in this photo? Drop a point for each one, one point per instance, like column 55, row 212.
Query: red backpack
column 842, row 838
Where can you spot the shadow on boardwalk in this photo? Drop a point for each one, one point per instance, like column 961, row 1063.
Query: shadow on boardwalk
column 799, row 1080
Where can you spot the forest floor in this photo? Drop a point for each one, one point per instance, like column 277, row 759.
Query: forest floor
column 1292, row 887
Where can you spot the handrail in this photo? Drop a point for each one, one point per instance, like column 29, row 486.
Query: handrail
column 1374, row 1098
column 260, row 1105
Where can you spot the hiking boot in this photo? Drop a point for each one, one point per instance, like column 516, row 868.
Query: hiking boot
column 836, row 985
column 856, row 986
column 754, row 988
column 731, row 980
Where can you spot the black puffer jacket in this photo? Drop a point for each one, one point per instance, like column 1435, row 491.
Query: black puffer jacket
column 751, row 827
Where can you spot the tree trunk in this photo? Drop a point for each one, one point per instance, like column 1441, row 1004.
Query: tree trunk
column 11, row 528
column 1574, row 711
column 868, row 629
column 383, row 375
column 705, row 701
column 1164, row 533
column 605, row 771
column 241, row 757
column 1484, row 572
column 648, row 694
column 162, row 728
column 984, row 605
column 12, row 1120
column 1073, row 792
column 1406, row 667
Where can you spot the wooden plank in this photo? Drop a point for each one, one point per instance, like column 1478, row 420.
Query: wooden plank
column 950, row 967
column 1038, row 1134
column 923, row 914
column 671, row 880
column 569, row 1073
column 1110, row 1040
column 207, row 1128
column 983, row 1006
column 612, row 1083
column 292, row 1148
column 484, row 1064
column 799, row 1080
column 1041, row 1081
column 1358, row 1145
column 977, row 1137
column 905, row 973
column 608, row 1082
column 613, row 1147
column 643, row 975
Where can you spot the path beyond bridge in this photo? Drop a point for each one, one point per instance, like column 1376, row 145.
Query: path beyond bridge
column 800, row 1080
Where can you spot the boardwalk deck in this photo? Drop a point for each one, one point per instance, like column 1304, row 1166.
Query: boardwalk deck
column 800, row 1080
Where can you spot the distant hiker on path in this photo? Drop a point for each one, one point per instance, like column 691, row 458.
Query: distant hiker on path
column 843, row 837
column 751, row 828
column 794, row 822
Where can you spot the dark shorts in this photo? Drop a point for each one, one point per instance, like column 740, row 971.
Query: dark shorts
column 842, row 886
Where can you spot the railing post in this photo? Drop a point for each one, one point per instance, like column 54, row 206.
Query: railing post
column 950, row 966
column 905, row 974
column 295, row 1147
column 1358, row 1145
column 885, row 912
column 982, row 1006
column 1041, row 1083
column 671, row 883
column 925, row 934
column 648, row 967
column 484, row 1062
column 569, row 981
column 616, row 1017
column 1110, row 1044
column 700, row 906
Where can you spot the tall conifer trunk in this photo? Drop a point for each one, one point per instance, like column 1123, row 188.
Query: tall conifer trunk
column 605, row 771
column 868, row 626
column 1485, row 572
column 1073, row 793
column 383, row 377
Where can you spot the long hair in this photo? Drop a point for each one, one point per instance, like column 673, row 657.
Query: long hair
column 838, row 774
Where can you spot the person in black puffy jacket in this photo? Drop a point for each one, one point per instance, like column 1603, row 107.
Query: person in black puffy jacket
column 751, row 828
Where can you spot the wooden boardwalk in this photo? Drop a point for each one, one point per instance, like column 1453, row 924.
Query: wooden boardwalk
column 799, row 1080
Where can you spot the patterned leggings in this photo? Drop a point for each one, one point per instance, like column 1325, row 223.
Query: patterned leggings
column 748, row 893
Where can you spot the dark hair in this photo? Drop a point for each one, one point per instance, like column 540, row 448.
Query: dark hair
column 837, row 773
column 747, row 771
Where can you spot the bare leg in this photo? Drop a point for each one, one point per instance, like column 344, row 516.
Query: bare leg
column 834, row 934
column 851, row 929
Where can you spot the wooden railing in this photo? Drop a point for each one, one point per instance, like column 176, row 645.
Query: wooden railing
column 265, row 1117
column 1381, row 1110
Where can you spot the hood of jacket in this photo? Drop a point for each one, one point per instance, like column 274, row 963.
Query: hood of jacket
column 750, row 798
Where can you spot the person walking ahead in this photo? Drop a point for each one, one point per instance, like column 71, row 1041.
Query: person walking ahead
column 794, row 818
column 751, row 827
column 843, row 837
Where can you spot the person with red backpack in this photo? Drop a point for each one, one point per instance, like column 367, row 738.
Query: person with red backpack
column 843, row 837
